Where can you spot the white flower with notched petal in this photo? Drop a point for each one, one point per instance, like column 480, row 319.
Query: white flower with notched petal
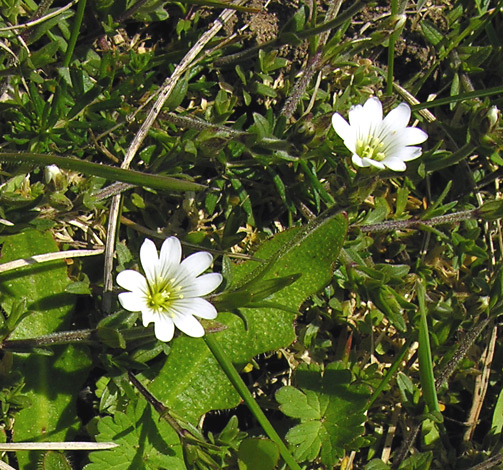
column 170, row 292
column 374, row 141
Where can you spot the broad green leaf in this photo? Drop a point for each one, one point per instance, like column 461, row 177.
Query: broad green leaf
column 191, row 382
column 258, row 453
column 331, row 410
column 42, row 285
column 52, row 382
column 145, row 441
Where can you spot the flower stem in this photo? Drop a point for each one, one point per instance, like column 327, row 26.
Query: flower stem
column 88, row 336
column 52, row 339
column 247, row 397
column 75, row 33
column 391, row 51
column 390, row 225
column 158, row 406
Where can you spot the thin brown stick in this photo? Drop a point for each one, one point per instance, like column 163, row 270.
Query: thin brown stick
column 5, row 466
column 481, row 384
column 46, row 257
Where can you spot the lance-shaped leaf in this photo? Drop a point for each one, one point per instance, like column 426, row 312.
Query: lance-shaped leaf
column 105, row 171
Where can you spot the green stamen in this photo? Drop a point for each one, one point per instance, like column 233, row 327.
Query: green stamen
column 371, row 148
column 162, row 294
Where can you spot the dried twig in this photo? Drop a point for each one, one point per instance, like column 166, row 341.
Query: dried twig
column 16, row 446
column 46, row 257
column 39, row 19
column 20, row 446
column 5, row 466
column 481, row 384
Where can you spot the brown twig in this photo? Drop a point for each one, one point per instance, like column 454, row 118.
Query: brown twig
column 158, row 406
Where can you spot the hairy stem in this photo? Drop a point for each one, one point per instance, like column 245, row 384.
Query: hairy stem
column 391, row 225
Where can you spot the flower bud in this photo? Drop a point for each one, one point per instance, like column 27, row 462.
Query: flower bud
column 53, row 176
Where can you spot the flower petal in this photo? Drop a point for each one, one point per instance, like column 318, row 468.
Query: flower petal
column 395, row 164
column 373, row 108
column 374, row 163
column 132, row 280
column 412, row 136
column 148, row 316
column 132, row 301
column 171, row 254
column 397, row 118
column 189, row 325
column 361, row 123
column 164, row 328
column 197, row 306
column 355, row 115
column 344, row 131
column 202, row 285
column 406, row 154
column 358, row 161
column 196, row 263
column 149, row 259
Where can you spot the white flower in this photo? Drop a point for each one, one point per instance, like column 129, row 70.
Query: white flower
column 52, row 174
column 374, row 141
column 170, row 292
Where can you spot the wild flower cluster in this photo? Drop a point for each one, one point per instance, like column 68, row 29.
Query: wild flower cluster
column 337, row 277
column 171, row 292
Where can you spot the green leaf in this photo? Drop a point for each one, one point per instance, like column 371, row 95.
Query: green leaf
column 151, row 10
column 55, row 461
column 197, row 384
column 145, row 441
column 105, row 171
column 52, row 382
column 417, row 462
column 497, row 421
column 262, row 126
column 258, row 453
column 431, row 33
column 331, row 410
column 377, row 464
column 385, row 299
column 424, row 354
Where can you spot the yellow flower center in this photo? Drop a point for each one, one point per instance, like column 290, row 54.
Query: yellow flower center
column 162, row 295
column 372, row 148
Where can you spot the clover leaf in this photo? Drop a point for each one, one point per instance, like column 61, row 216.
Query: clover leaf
column 145, row 441
column 330, row 409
